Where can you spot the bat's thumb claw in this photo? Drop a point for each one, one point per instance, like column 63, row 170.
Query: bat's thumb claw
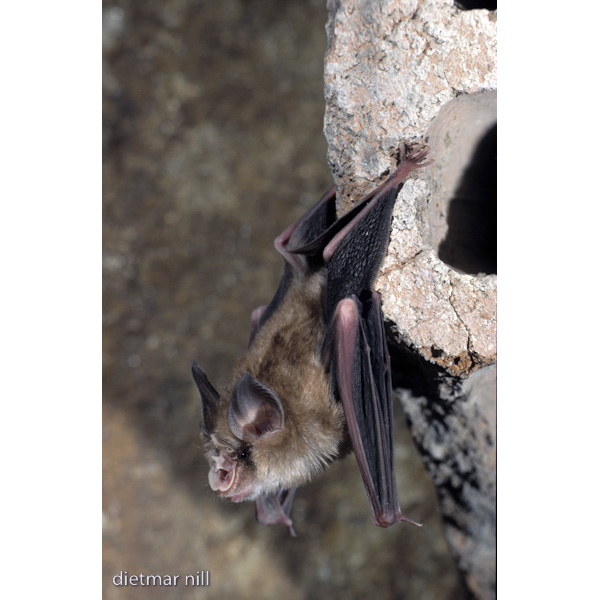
column 404, row 518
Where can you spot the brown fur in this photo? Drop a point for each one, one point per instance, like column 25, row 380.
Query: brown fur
column 285, row 356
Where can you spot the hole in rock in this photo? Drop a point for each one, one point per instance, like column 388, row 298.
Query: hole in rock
column 474, row 4
column 462, row 213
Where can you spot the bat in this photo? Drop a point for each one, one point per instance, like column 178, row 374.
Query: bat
column 314, row 383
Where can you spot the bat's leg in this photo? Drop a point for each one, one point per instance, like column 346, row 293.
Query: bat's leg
column 328, row 242
column 308, row 227
column 275, row 509
column 354, row 254
column 362, row 383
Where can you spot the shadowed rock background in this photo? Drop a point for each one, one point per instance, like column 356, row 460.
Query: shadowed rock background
column 213, row 144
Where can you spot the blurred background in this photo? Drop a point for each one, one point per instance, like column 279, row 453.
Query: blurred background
column 212, row 145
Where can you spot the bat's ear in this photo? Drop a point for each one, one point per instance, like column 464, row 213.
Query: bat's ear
column 254, row 410
column 210, row 396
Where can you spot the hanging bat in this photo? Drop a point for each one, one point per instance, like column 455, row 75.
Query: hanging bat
column 315, row 381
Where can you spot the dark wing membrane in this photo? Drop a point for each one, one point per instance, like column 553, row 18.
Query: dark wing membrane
column 356, row 244
column 361, row 379
column 354, row 255
column 308, row 227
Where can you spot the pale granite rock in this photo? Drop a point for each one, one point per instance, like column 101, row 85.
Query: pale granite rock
column 418, row 71
column 394, row 70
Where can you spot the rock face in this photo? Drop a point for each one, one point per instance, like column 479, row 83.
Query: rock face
column 414, row 71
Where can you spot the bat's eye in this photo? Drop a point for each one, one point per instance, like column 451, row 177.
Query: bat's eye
column 244, row 454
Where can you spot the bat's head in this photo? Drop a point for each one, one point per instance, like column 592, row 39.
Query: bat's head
column 253, row 447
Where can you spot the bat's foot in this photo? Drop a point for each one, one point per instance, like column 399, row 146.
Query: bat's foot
column 417, row 154
column 409, row 161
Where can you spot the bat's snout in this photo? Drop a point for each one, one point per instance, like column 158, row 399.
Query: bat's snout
column 222, row 474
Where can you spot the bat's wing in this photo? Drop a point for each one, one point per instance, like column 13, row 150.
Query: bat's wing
column 356, row 244
column 356, row 347
column 359, row 236
column 275, row 509
column 308, row 227
column 362, row 382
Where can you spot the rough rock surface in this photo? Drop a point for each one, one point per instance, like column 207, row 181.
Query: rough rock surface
column 453, row 424
column 393, row 72
column 414, row 71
